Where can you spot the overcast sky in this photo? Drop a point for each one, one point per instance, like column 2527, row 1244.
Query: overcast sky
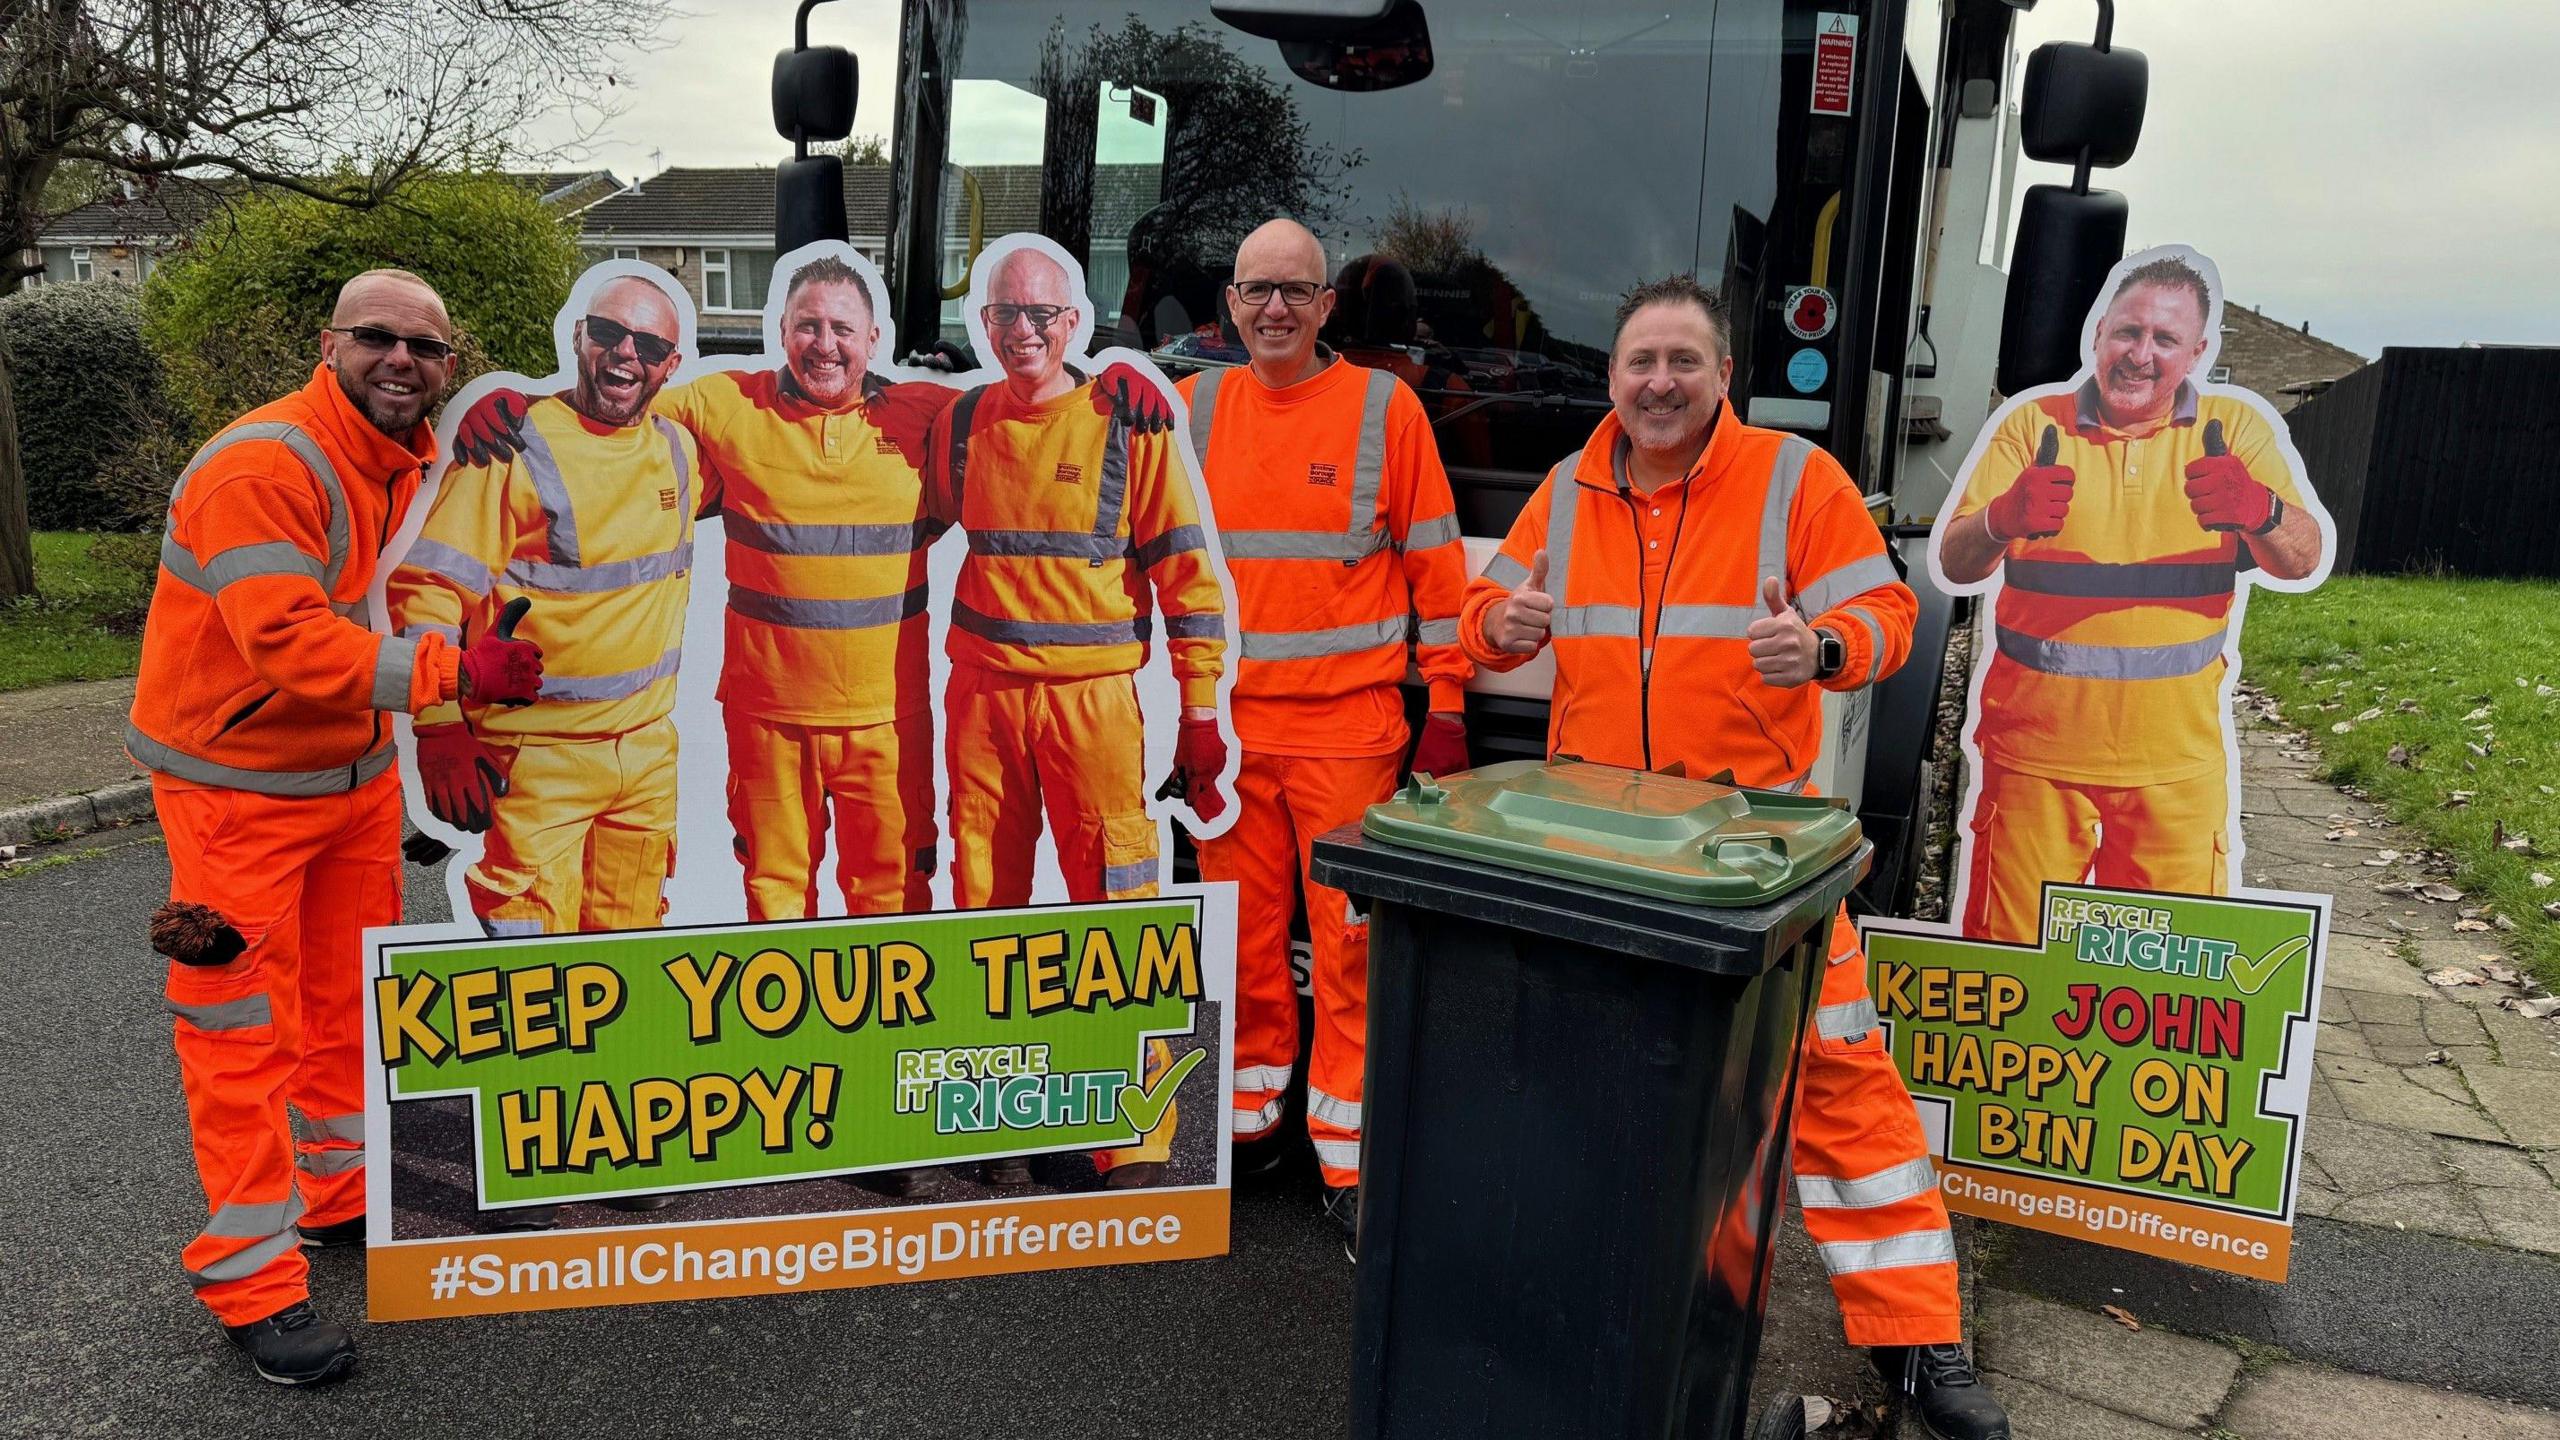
column 2387, row 170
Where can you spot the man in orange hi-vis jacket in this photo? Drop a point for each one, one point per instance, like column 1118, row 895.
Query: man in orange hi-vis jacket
column 1702, row 581
column 1340, row 535
column 1071, row 518
column 262, row 711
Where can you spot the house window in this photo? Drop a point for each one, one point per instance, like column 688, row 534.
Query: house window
column 715, row 280
column 626, row 252
column 81, row 269
column 2218, row 375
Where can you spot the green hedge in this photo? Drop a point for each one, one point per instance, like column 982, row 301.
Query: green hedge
column 93, row 405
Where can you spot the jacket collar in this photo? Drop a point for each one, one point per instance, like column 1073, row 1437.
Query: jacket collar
column 353, row 438
column 2085, row 416
column 1603, row 462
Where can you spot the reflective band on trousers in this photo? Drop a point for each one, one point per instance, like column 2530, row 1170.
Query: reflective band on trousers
column 1343, row 640
column 1699, row 622
column 502, row 929
column 183, row 565
column 1254, row 1079
column 244, row 1013
column 2112, row 662
column 243, row 1263
column 1893, row 1252
column 1246, row 1124
column 328, row 1162
column 1865, row 1192
column 1333, row 1110
column 254, row 1221
column 1132, row 876
column 1340, row 1154
column 337, row 1127
column 1365, row 535
column 332, row 781
column 1848, row 1020
column 2091, row 580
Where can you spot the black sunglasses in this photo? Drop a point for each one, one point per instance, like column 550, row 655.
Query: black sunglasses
column 608, row 334
column 374, row 337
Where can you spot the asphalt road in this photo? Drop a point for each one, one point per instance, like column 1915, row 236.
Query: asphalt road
column 97, row 1195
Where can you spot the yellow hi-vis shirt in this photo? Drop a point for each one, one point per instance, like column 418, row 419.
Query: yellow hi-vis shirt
column 826, row 540
column 596, row 526
column 1068, row 515
column 2110, row 635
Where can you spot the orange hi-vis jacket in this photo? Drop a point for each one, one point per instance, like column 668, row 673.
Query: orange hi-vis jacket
column 1669, row 582
column 595, row 525
column 2110, row 635
column 1070, row 516
column 256, row 674
column 1340, row 534
column 826, row 541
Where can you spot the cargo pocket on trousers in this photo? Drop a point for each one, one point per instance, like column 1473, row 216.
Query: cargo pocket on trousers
column 221, row 1005
column 1977, row 878
column 2221, row 864
column 658, row 861
column 1128, row 856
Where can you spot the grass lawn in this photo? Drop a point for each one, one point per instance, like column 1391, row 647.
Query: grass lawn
column 2460, row 681
column 63, row 633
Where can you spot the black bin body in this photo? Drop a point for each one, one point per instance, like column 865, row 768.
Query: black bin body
column 1576, row 1121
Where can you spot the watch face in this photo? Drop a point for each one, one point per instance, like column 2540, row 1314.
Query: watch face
column 1831, row 655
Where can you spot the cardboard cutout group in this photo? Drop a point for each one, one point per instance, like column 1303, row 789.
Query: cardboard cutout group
column 778, row 688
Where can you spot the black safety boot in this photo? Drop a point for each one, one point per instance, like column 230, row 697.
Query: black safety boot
column 294, row 1346
column 639, row 1203
column 332, row 1237
column 1136, row 1175
column 1342, row 1207
column 1939, row 1381
column 523, row 1219
column 899, row 1184
column 1011, row 1170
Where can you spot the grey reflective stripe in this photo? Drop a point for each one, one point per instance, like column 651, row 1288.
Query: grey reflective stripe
column 773, row 537
column 554, row 579
column 329, row 1162
column 1303, row 544
column 1796, row 787
column 1430, row 534
column 1784, row 475
column 348, row 609
column 803, row 613
column 1705, row 622
column 1573, row 621
column 1137, row 874
column 423, row 628
column 1831, row 590
column 242, row 1263
column 395, row 664
column 349, row 1126
column 1875, row 632
column 1506, row 572
column 1439, row 632
column 1191, row 627
column 1894, row 1252
column 1039, row 632
column 1111, row 494
column 684, row 468
column 1848, row 1020
column 332, row 781
column 1204, row 412
column 241, row 562
column 1563, row 502
column 553, row 492
column 1369, row 461
column 1172, row 542
column 437, row 558
column 501, row 929
column 2091, row 580
column 239, row 1221
column 572, row 689
column 1255, row 1079
column 1333, row 1109
column 1340, row 1154
column 2111, row 662
column 247, row 1012
column 305, row 449
column 1308, row 644
column 1247, row 1123
column 1908, row 1180
column 1055, row 544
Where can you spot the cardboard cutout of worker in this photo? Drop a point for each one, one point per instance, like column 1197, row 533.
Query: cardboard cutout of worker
column 2118, row 522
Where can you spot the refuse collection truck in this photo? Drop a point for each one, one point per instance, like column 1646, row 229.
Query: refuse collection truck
column 1490, row 180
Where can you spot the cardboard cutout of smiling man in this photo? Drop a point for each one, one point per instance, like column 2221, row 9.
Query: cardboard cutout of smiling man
column 2117, row 520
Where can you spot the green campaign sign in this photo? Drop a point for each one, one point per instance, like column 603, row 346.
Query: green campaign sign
column 653, row 1060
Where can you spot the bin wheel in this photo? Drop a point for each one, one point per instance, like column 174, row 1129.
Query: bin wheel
column 1782, row 1419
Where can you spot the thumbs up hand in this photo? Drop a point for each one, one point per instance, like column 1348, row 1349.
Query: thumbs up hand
column 1783, row 647
column 2034, row 505
column 1519, row 625
column 2222, row 493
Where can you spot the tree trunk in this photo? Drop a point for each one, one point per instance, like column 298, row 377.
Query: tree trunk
column 17, row 547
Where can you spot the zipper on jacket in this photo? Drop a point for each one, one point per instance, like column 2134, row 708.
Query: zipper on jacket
column 1644, row 652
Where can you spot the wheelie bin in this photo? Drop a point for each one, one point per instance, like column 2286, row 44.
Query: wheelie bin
column 1587, row 992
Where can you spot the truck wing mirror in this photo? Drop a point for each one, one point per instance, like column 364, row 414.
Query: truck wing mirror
column 1301, row 19
column 1352, row 45
column 814, row 88
column 2067, row 242
column 2083, row 104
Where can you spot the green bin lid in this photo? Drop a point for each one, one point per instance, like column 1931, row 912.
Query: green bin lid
column 1694, row 842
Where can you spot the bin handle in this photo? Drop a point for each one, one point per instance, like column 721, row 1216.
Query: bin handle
column 1763, row 844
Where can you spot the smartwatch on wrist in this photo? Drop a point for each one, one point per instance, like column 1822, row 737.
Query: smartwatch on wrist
column 1830, row 654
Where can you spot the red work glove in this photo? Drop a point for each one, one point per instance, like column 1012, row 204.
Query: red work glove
column 2223, row 496
column 460, row 775
column 2034, row 506
column 1127, row 393
column 904, row 411
column 1199, row 758
column 492, row 430
column 500, row 669
column 1442, row 749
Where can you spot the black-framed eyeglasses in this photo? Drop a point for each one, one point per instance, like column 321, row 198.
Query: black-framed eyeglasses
column 609, row 334
column 1296, row 294
column 1002, row 317
column 374, row 337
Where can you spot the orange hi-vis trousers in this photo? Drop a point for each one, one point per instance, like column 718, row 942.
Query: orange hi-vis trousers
column 1284, row 802
column 2028, row 830
column 584, row 838
column 1863, row 1174
column 281, row 1026
column 1019, row 747
column 877, row 779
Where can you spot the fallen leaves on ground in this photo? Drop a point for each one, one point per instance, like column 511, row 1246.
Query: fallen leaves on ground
column 2539, row 1009
column 2121, row 1316
column 2453, row 977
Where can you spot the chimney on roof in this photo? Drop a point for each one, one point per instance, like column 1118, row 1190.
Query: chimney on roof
column 2306, row 327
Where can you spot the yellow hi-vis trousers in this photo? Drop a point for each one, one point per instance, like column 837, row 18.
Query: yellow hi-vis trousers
column 1020, row 747
column 878, row 779
column 2028, row 830
column 584, row 838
